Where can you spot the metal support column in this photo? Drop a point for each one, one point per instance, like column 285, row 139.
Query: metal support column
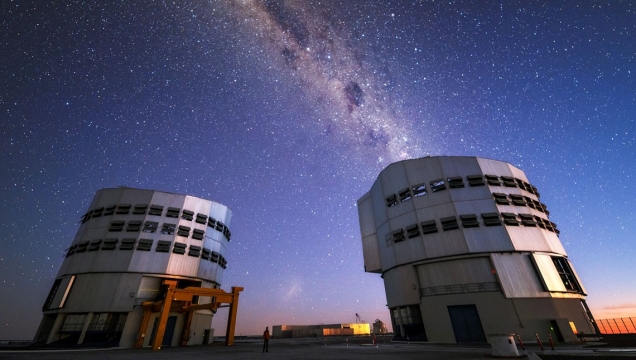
column 165, row 311
column 231, row 318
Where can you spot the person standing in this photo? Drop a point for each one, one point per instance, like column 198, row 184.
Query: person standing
column 266, row 340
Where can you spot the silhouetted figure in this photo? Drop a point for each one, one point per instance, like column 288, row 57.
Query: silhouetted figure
column 266, row 340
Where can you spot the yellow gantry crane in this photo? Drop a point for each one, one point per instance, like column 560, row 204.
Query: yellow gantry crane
column 180, row 300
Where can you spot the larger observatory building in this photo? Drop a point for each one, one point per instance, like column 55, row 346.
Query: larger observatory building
column 467, row 250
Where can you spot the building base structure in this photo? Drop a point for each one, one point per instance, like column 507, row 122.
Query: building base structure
column 467, row 251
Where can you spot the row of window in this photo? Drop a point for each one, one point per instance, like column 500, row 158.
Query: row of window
column 157, row 210
column 519, row 200
column 469, row 221
column 153, row 226
column 456, row 182
column 164, row 246
column 167, row 228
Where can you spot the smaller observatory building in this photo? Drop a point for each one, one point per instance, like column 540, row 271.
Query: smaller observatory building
column 467, row 250
column 144, row 269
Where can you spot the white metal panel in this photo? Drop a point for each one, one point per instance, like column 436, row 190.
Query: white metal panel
column 454, row 272
column 371, row 254
column 401, row 287
column 365, row 215
column 387, row 255
column 548, row 271
column 459, row 165
column 517, row 275
column 556, row 246
column 528, row 238
column 379, row 204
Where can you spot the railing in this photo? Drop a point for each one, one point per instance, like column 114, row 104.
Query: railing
column 459, row 288
column 617, row 326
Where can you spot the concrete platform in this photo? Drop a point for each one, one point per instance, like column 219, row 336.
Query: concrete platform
column 332, row 349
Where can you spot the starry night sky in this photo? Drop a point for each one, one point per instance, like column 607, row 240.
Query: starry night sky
column 286, row 112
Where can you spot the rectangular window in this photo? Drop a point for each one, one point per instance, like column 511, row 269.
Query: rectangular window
column 214, row 257
column 183, row 231
column 222, row 262
column 493, row 180
column 168, row 229
column 212, row 222
column 179, row 248
column 227, row 233
column 391, row 200
column 469, row 220
column 455, row 182
column 116, row 225
column 419, row 190
column 94, row 245
column 140, row 209
column 123, row 209
column 527, row 220
column 187, row 215
column 566, row 274
column 405, row 195
column 198, row 234
column 127, row 244
column 220, row 226
column 438, row 185
column 133, row 226
column 202, row 219
column 109, row 244
column 70, row 251
column 173, row 212
column 81, row 247
column 110, row 210
column 397, row 235
column 144, row 244
column 194, row 251
column 151, row 227
column 163, row 246
column 518, row 200
column 541, row 222
column 509, row 181
column 73, row 323
column 510, row 219
column 428, row 227
column 413, row 231
column 523, row 185
column 205, row 254
column 449, row 223
column 501, row 198
column 97, row 212
column 475, row 180
column 491, row 219
column 155, row 210
column 534, row 191
column 86, row 216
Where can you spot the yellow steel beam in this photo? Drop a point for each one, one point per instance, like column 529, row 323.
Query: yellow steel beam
column 173, row 294
column 231, row 319
column 165, row 311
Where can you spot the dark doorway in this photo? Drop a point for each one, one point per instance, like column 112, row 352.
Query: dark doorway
column 466, row 324
column 555, row 327
column 170, row 325
column 167, row 335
